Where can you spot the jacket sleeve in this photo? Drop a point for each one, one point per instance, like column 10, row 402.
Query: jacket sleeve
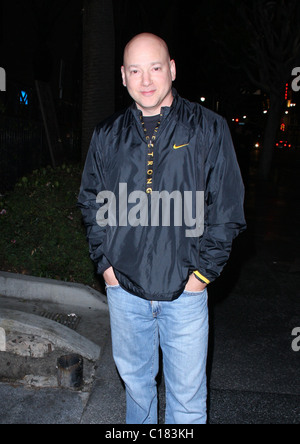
column 224, row 201
column 91, row 185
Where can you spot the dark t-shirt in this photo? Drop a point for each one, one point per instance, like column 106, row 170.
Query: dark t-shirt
column 151, row 123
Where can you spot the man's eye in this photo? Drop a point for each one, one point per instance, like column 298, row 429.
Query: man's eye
column 157, row 69
column 134, row 72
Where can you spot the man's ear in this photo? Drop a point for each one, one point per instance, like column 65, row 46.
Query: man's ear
column 123, row 76
column 173, row 69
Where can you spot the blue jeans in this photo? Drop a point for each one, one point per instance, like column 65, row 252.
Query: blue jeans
column 181, row 329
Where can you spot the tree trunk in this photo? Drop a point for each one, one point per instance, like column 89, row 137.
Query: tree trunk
column 98, row 99
column 275, row 112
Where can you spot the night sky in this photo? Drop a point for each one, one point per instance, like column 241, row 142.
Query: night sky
column 37, row 35
column 39, row 39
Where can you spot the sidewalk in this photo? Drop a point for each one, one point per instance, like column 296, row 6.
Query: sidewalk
column 253, row 371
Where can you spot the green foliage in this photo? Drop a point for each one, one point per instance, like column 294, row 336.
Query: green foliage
column 41, row 228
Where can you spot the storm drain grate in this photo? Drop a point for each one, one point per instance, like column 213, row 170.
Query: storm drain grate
column 68, row 320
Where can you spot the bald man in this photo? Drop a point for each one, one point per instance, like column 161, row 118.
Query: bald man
column 162, row 200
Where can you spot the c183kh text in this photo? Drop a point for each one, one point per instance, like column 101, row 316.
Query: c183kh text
column 160, row 433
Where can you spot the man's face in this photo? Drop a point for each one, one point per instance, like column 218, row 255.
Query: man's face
column 148, row 74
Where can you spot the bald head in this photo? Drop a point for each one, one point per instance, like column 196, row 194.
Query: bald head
column 148, row 73
column 139, row 42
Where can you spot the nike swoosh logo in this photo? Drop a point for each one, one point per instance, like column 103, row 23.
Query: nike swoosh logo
column 176, row 147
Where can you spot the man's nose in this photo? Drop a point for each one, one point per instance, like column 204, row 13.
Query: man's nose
column 146, row 79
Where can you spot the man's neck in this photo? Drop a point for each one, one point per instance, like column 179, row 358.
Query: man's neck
column 151, row 112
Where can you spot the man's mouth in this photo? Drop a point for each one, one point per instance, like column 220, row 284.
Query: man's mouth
column 147, row 93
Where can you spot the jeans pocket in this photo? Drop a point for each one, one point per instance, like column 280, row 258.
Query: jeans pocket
column 195, row 293
column 112, row 286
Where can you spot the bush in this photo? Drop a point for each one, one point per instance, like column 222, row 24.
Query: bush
column 41, row 228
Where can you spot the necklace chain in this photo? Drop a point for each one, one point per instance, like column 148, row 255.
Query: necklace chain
column 150, row 159
column 148, row 138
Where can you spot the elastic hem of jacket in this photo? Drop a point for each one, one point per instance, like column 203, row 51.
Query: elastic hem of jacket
column 201, row 278
column 102, row 267
column 169, row 297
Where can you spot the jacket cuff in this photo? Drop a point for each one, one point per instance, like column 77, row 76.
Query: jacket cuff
column 103, row 266
column 201, row 278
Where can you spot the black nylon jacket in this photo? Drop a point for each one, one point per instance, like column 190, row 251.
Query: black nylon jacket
column 192, row 151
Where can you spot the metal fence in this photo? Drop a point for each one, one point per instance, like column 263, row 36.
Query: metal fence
column 22, row 149
column 23, row 142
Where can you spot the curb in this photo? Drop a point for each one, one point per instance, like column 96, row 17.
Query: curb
column 59, row 335
column 36, row 289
